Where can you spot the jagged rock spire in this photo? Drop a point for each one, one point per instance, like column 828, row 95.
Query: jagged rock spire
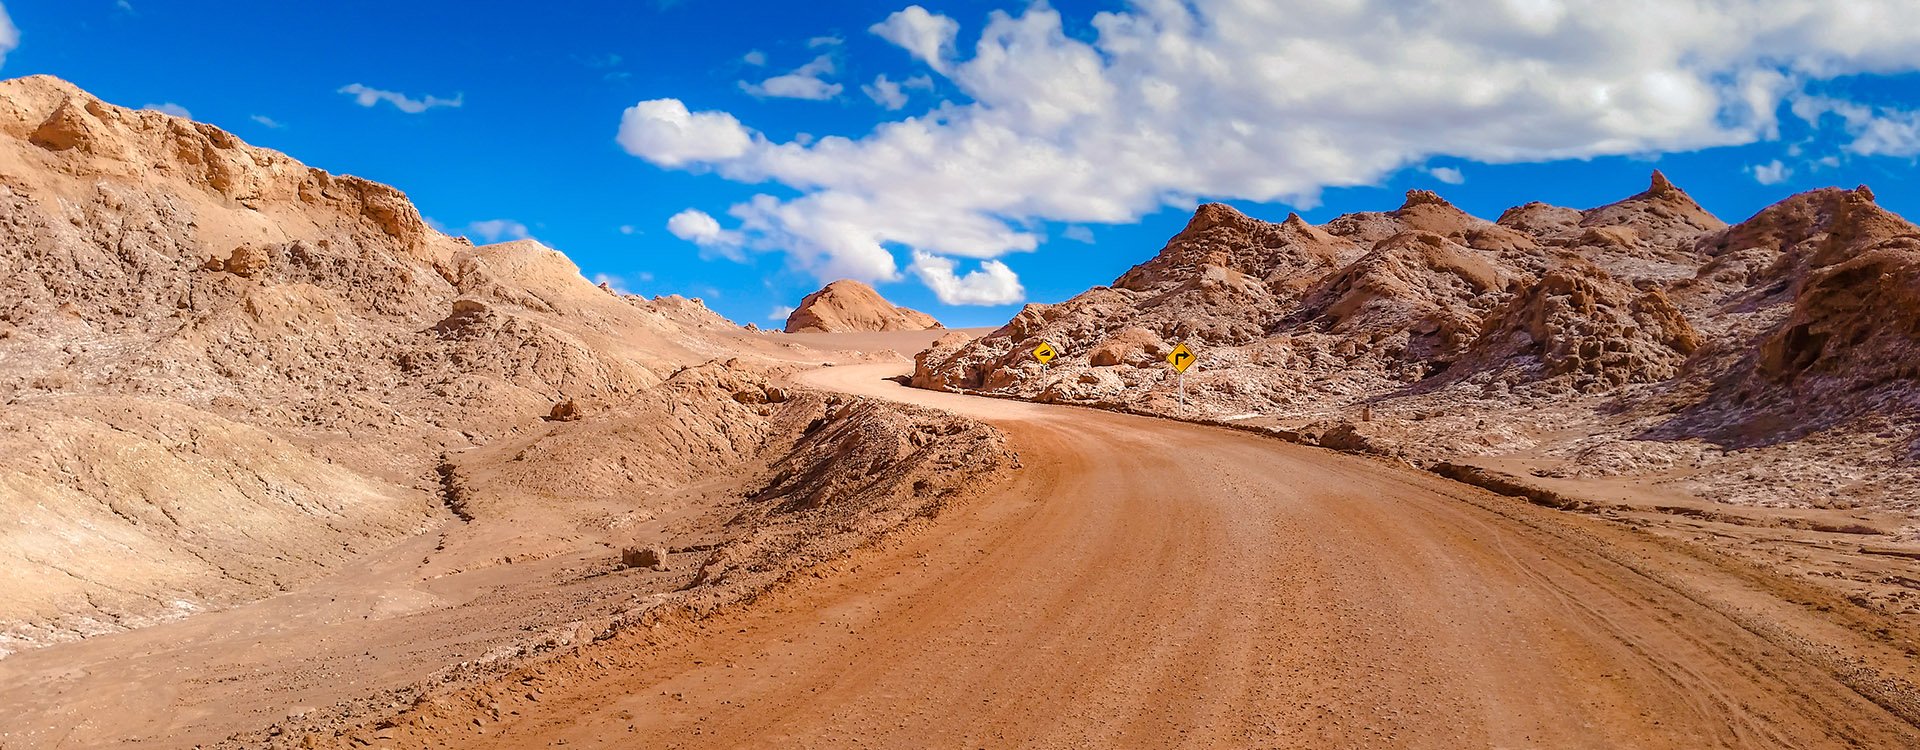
column 1660, row 185
column 1423, row 198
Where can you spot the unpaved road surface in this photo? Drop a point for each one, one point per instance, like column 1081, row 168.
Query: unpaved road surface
column 1147, row 583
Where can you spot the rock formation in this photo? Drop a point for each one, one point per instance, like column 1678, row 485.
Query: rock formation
column 226, row 373
column 1644, row 321
column 846, row 306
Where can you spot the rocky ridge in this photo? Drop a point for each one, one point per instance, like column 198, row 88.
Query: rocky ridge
column 1782, row 346
column 227, row 373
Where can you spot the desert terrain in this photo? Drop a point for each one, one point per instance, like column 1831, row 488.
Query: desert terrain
column 285, row 466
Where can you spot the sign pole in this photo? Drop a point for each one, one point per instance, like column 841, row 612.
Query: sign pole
column 1181, row 358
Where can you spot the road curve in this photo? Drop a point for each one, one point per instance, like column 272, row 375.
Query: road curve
column 1145, row 583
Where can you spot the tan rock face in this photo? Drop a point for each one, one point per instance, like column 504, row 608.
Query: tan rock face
column 847, row 306
column 321, row 346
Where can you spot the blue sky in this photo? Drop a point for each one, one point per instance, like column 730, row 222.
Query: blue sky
column 1042, row 149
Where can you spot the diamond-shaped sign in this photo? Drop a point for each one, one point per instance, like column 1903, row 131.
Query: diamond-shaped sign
column 1045, row 353
column 1182, row 357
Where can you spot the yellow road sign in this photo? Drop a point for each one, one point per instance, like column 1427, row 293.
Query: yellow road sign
column 1181, row 358
column 1045, row 353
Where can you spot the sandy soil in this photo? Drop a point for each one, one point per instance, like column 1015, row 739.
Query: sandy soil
column 1146, row 583
column 532, row 571
column 1140, row 583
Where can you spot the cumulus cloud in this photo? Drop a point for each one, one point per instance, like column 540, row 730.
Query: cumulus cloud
column 662, row 131
column 805, row 82
column 885, row 92
column 993, row 284
column 780, row 313
column 171, row 109
column 755, row 58
column 1771, row 173
column 499, row 230
column 366, row 96
column 700, row 228
column 695, row 226
column 1448, row 175
column 926, row 36
column 1167, row 102
column 1876, row 131
column 1078, row 234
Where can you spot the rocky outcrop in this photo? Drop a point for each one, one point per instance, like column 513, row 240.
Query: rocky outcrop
column 1580, row 329
column 1646, row 319
column 847, row 306
column 224, row 370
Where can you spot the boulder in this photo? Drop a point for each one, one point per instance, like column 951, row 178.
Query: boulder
column 651, row 558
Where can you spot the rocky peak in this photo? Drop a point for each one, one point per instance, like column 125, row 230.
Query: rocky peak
column 1212, row 215
column 1664, row 219
column 1423, row 198
column 77, row 136
column 847, row 305
column 1659, row 185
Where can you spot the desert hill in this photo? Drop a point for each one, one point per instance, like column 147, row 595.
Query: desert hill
column 1570, row 340
column 847, row 306
column 227, row 373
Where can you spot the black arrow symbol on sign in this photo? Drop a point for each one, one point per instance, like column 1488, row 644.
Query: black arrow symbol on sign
column 1180, row 357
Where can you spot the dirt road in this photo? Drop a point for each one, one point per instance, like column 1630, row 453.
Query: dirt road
column 1154, row 584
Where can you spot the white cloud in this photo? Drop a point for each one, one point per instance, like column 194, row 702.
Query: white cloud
column 367, row 97
column 9, row 35
column 630, row 230
column 268, row 121
column 499, row 230
column 1078, row 234
column 700, row 228
column 993, row 284
column 1772, row 173
column 1167, row 102
column 780, row 313
column 171, row 109
column 885, row 93
column 125, row 5
column 1876, row 131
column 1448, row 175
column 695, row 226
column 805, row 82
column 825, row 41
column 926, row 36
column 755, row 58
column 662, row 131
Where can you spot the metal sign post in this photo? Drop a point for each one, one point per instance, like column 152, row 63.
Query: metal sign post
column 1182, row 357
